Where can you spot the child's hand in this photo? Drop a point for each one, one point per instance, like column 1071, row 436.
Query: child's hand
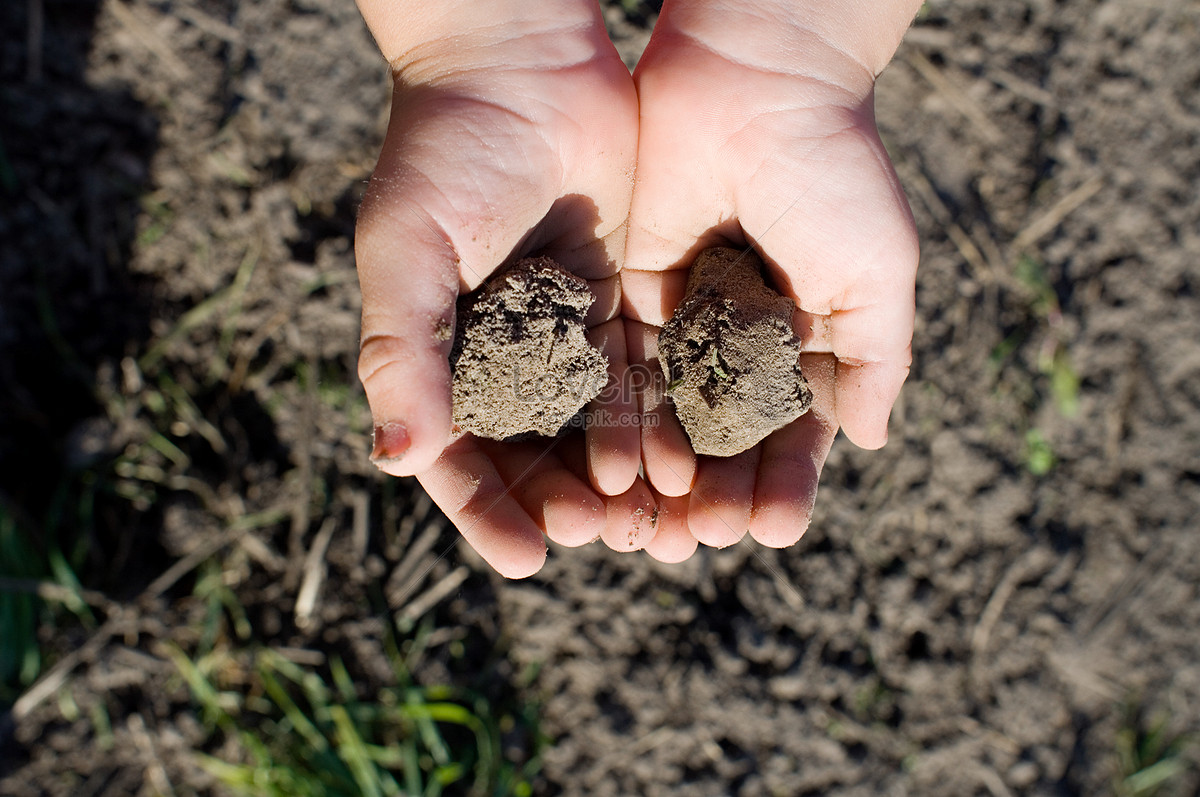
column 757, row 128
column 513, row 129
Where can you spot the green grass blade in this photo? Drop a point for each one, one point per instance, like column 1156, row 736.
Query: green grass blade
column 291, row 711
column 342, row 681
column 1147, row 781
column 352, row 750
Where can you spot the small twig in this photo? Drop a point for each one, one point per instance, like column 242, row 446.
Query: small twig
column 57, row 593
column 34, row 36
column 210, row 25
column 1032, row 563
column 408, row 523
column 156, row 773
column 314, row 574
column 1049, row 221
column 149, row 39
column 262, row 553
column 957, row 98
column 302, row 656
column 986, row 270
column 189, row 563
column 360, row 501
column 1021, row 88
column 120, row 617
column 302, row 501
column 56, row 676
column 434, row 595
column 407, row 575
column 993, row 782
column 1105, row 611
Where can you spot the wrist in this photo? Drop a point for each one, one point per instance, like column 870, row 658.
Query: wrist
column 853, row 38
column 408, row 32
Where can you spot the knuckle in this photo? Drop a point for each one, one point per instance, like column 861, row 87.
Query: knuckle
column 377, row 352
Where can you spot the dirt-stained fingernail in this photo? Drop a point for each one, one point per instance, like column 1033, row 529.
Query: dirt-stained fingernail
column 391, row 443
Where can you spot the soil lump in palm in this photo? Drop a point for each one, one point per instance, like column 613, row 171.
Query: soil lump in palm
column 731, row 355
column 521, row 360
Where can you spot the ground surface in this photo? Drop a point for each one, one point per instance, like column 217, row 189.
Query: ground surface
column 1002, row 601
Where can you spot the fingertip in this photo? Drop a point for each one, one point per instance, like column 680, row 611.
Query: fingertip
column 518, row 564
column 408, row 391
column 673, row 480
column 404, row 457
column 667, row 459
column 574, row 518
column 465, row 484
column 780, row 524
column 630, row 524
column 716, row 526
column 718, row 521
column 509, row 541
column 720, row 504
column 672, row 542
column 611, row 470
column 865, row 395
column 788, row 475
column 652, row 296
column 612, row 439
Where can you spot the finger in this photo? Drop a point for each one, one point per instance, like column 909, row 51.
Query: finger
column 563, row 506
column 577, row 245
column 606, row 304
column 791, row 461
column 667, row 456
column 672, row 541
column 865, row 391
column 865, row 397
column 613, row 440
column 652, row 296
column 720, row 502
column 868, row 384
column 407, row 331
column 630, row 522
column 465, row 484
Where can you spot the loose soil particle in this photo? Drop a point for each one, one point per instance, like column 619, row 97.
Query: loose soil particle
column 731, row 355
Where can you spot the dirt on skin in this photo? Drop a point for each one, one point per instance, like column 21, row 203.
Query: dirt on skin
column 521, row 359
column 731, row 355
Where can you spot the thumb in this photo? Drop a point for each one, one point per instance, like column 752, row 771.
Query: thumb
column 409, row 281
column 427, row 227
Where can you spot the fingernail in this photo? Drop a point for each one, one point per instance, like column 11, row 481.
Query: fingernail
column 391, row 443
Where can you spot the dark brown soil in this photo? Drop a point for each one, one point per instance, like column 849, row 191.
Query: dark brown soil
column 1002, row 601
column 731, row 356
column 521, row 360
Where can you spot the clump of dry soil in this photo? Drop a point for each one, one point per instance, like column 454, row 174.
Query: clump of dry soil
column 731, row 355
column 521, row 360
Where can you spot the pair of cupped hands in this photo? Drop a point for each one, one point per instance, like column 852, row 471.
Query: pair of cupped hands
column 516, row 129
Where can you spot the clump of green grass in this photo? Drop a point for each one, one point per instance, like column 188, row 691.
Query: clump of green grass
column 1032, row 365
column 1150, row 758
column 37, row 583
column 20, row 657
column 303, row 735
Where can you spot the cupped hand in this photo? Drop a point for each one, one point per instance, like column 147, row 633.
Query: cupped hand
column 758, row 133
column 513, row 131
